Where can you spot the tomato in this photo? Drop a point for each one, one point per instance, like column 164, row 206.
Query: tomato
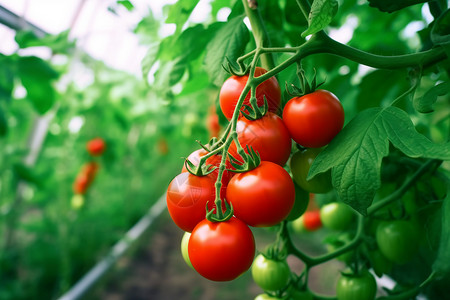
column 336, row 215
column 81, row 184
column 184, row 248
column 77, row 201
column 356, row 287
column 268, row 136
column 162, row 146
column 96, row 147
column 85, row 178
column 233, row 87
column 311, row 220
column 266, row 297
column 300, row 204
column 269, row 274
column 314, row 119
column 221, row 251
column 187, row 196
column 263, row 196
column 398, row 240
column 300, row 164
column 380, row 264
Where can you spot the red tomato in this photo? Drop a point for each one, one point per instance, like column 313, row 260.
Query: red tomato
column 313, row 120
column 311, row 220
column 221, row 251
column 81, row 184
column 162, row 146
column 96, row 147
column 187, row 196
column 85, row 177
column 233, row 86
column 263, row 196
column 268, row 136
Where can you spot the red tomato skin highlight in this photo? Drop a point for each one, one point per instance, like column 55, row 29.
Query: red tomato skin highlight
column 221, row 251
column 234, row 85
column 186, row 199
column 262, row 197
column 314, row 119
column 268, row 136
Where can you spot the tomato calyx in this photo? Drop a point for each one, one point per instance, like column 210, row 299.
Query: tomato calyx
column 231, row 68
column 217, row 215
column 306, row 86
column 251, row 160
column 200, row 169
column 255, row 112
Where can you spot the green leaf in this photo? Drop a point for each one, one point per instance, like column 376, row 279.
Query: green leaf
column 440, row 33
column 442, row 263
column 391, row 6
column 228, row 42
column 6, row 78
column 180, row 11
column 355, row 154
column 150, row 59
column 37, row 76
column 321, row 14
column 425, row 103
column 127, row 4
column 59, row 43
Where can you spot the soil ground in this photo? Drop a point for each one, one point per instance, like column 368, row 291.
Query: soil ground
column 156, row 270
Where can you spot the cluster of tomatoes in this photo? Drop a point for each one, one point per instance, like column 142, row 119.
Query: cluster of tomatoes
column 86, row 176
column 261, row 196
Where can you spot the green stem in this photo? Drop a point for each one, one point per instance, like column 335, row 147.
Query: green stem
column 260, row 34
column 424, row 58
column 403, row 189
column 305, row 7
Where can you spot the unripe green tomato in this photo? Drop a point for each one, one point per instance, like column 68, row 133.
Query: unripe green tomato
column 298, row 226
column 301, row 163
column 184, row 248
column 336, row 215
column 266, row 297
column 300, row 204
column 269, row 274
column 398, row 240
column 356, row 287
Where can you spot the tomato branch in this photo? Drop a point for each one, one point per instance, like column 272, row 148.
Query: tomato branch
column 403, row 189
column 305, row 7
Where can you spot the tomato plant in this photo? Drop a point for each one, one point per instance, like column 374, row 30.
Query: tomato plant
column 233, row 87
column 398, row 240
column 336, row 215
column 96, row 146
column 268, row 136
column 270, row 274
column 314, row 119
column 300, row 165
column 221, row 251
column 258, row 199
column 360, row 286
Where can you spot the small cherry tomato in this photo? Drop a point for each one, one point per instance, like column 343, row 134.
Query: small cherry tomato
column 258, row 199
column 314, row 119
column 398, row 240
column 96, row 147
column 336, row 215
column 311, row 220
column 356, row 287
column 268, row 136
column 233, row 87
column 221, row 251
column 300, row 164
column 269, row 274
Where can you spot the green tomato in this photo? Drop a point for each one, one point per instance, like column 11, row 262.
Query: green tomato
column 298, row 226
column 380, row 264
column 398, row 240
column 336, row 215
column 301, row 163
column 300, row 204
column 266, row 297
column 184, row 248
column 269, row 274
column 356, row 287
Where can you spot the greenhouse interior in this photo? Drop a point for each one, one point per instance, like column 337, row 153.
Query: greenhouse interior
column 320, row 128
